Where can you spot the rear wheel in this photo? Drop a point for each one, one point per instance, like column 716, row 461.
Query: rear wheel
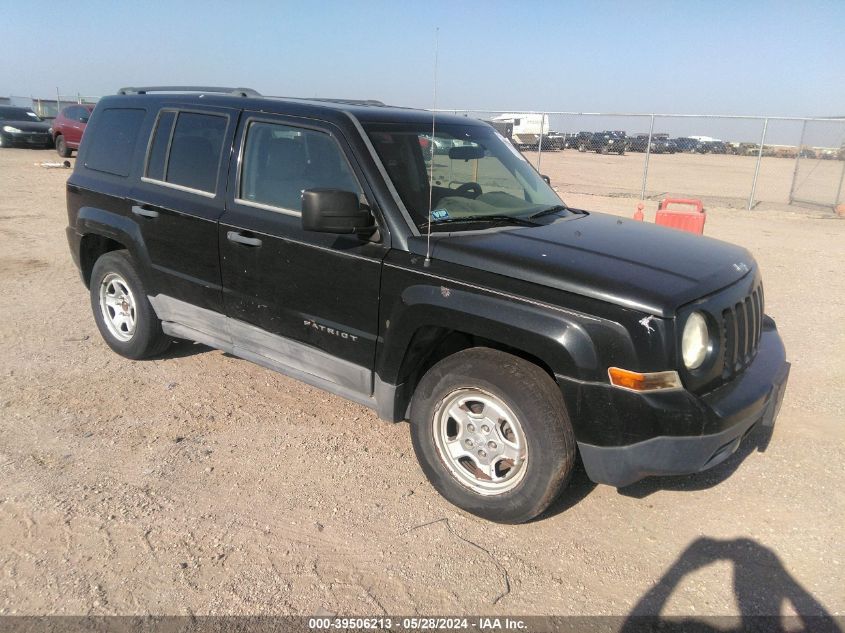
column 124, row 316
column 61, row 147
column 492, row 435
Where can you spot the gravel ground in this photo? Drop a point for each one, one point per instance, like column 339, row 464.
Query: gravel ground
column 200, row 483
column 721, row 180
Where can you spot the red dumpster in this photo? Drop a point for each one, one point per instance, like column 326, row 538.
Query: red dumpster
column 685, row 220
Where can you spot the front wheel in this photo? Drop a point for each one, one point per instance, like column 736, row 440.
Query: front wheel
column 492, row 435
column 124, row 316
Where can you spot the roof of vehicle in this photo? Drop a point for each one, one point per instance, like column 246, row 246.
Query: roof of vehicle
column 369, row 111
column 87, row 106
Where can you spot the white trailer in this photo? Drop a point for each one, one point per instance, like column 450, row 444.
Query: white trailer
column 527, row 128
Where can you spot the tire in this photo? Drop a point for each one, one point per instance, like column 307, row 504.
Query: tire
column 531, row 424
column 602, row 150
column 124, row 316
column 61, row 147
column 582, row 148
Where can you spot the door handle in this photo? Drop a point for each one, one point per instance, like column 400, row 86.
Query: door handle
column 144, row 213
column 240, row 238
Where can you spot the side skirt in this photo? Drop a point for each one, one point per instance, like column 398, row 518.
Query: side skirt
column 291, row 358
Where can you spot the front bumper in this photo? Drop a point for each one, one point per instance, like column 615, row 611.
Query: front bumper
column 675, row 433
column 74, row 241
column 29, row 139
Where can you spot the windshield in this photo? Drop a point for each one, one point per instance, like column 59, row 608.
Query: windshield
column 18, row 114
column 476, row 173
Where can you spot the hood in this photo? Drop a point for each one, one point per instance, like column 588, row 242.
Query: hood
column 28, row 126
column 628, row 263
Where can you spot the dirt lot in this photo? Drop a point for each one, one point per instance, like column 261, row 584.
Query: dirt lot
column 200, row 483
column 720, row 180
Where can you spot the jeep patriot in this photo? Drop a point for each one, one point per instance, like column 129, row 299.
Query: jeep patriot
column 327, row 240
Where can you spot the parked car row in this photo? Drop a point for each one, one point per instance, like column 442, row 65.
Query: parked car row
column 21, row 127
column 618, row 142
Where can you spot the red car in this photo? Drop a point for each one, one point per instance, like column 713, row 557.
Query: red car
column 69, row 126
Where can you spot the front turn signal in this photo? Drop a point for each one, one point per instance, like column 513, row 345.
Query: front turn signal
column 635, row 381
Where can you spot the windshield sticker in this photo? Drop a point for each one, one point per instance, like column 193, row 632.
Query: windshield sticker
column 439, row 214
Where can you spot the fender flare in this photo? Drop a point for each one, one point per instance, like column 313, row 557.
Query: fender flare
column 557, row 337
column 95, row 221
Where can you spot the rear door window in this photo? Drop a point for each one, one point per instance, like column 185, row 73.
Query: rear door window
column 157, row 159
column 110, row 150
column 186, row 148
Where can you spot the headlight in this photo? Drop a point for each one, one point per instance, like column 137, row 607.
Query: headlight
column 9, row 128
column 695, row 341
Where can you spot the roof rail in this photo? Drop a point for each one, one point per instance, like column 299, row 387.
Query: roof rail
column 235, row 92
column 369, row 102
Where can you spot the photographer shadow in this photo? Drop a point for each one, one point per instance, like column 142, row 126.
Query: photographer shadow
column 761, row 584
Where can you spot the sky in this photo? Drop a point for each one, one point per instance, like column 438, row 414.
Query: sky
column 736, row 57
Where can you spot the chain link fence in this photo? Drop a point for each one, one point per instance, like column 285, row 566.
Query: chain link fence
column 819, row 172
column 728, row 161
column 49, row 107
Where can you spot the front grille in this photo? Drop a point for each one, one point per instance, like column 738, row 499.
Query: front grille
column 742, row 325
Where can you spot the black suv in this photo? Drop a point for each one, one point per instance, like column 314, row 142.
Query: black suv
column 660, row 144
column 604, row 143
column 574, row 141
column 513, row 331
column 712, row 147
column 686, row 144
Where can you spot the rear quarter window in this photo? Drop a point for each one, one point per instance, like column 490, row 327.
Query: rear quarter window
column 111, row 147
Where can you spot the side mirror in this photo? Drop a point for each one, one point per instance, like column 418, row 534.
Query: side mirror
column 335, row 211
column 546, row 178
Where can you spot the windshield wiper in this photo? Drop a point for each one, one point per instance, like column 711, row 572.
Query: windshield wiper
column 549, row 211
column 510, row 219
